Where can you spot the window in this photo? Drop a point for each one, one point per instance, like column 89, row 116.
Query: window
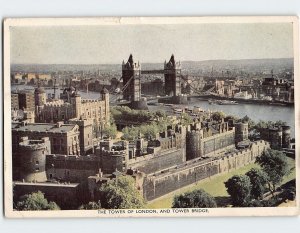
column 37, row 163
column 37, row 169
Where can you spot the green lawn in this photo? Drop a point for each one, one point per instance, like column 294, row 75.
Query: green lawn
column 214, row 186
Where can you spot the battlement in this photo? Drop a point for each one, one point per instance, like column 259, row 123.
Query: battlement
column 59, row 157
column 86, row 101
column 113, row 153
column 54, row 103
column 167, row 180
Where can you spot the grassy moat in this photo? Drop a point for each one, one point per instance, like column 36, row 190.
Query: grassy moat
column 214, row 186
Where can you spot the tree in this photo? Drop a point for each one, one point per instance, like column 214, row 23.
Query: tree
column 121, row 193
column 149, row 131
column 146, row 130
column 124, row 113
column 160, row 113
column 258, row 179
column 110, row 131
column 130, row 133
column 231, row 117
column 274, row 164
column 195, row 199
column 36, row 201
column 280, row 123
column 217, row 116
column 186, row 119
column 239, row 189
column 262, row 125
column 91, row 206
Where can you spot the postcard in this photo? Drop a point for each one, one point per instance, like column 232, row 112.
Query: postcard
column 151, row 116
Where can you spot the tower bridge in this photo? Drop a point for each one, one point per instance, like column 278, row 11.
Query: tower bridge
column 131, row 76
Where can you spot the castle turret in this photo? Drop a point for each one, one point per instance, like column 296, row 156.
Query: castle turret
column 39, row 99
column 241, row 132
column 194, row 147
column 105, row 97
column 76, row 103
column 286, row 136
column 275, row 138
column 139, row 145
column 39, row 95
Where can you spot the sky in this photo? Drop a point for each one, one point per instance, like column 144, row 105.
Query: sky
column 111, row 44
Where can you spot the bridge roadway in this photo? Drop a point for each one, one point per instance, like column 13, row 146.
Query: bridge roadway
column 153, row 72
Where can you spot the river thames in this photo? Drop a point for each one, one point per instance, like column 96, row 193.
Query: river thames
column 255, row 111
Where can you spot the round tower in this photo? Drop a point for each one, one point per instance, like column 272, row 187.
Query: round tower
column 32, row 155
column 286, row 136
column 275, row 137
column 193, row 145
column 241, row 132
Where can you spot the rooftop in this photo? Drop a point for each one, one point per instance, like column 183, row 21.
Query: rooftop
column 53, row 184
column 43, row 127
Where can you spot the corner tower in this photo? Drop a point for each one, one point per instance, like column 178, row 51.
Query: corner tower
column 32, row 155
column 131, row 73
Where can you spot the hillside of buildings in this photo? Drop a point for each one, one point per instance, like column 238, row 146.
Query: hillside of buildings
column 247, row 65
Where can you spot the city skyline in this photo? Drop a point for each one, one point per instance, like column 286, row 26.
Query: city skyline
column 150, row 43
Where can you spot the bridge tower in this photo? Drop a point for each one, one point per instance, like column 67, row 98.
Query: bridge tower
column 131, row 73
column 172, row 77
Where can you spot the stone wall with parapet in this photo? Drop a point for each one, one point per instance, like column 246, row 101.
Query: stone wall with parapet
column 155, row 162
column 166, row 181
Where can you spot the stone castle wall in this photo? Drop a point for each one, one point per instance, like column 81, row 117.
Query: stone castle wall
column 72, row 168
column 151, row 163
column 158, row 184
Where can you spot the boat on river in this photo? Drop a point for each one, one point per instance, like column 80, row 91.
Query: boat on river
column 226, row 102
